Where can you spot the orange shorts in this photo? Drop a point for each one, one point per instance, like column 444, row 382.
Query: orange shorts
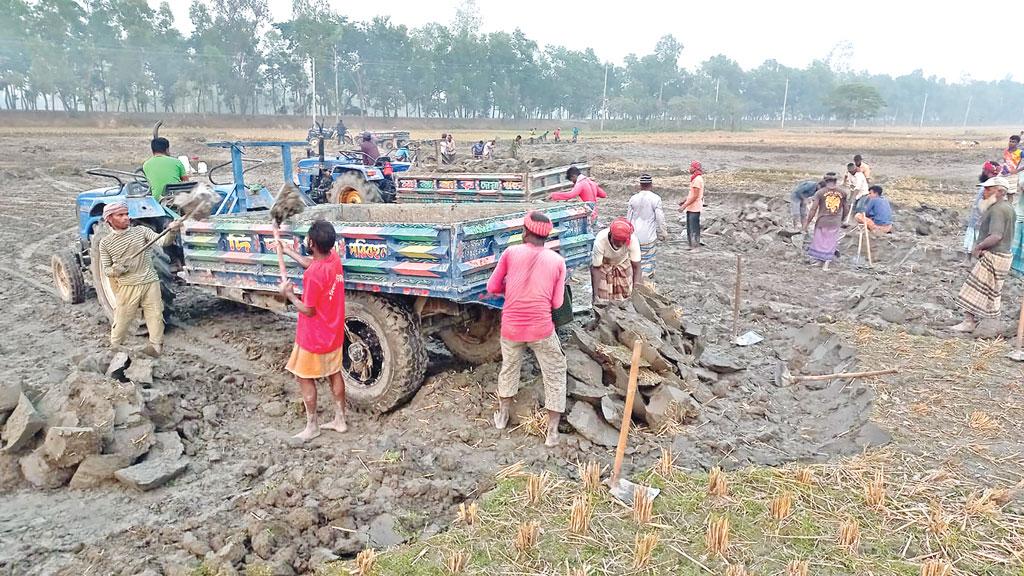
column 306, row 364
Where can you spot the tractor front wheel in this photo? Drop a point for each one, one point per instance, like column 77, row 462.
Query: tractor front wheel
column 68, row 277
column 352, row 188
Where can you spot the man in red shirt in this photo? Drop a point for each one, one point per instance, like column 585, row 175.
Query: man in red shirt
column 532, row 279
column 582, row 186
column 320, row 333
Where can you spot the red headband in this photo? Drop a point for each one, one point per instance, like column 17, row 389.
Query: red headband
column 538, row 227
column 620, row 230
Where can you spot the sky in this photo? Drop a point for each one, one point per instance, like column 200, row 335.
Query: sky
column 890, row 36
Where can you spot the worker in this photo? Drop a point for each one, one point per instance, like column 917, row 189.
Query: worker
column 862, row 167
column 533, row 135
column 558, row 134
column 134, row 279
column 798, row 200
column 615, row 263
column 575, row 134
column 988, row 170
column 583, row 188
column 828, row 210
column 448, row 149
column 369, row 150
column 162, row 169
column 489, row 149
column 877, row 215
column 478, row 149
column 339, row 130
column 981, row 294
column 648, row 219
column 857, row 186
column 1011, row 156
column 532, row 280
column 693, row 204
column 516, row 145
column 320, row 332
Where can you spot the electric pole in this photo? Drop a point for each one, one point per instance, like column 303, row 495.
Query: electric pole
column 604, row 98
column 923, row 108
column 785, row 98
column 718, row 84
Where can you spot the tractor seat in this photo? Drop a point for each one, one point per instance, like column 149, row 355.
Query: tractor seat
column 177, row 187
column 136, row 189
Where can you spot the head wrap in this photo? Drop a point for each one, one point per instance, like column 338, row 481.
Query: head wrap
column 646, row 179
column 620, row 230
column 537, row 226
column 114, row 208
column 990, row 167
column 695, row 169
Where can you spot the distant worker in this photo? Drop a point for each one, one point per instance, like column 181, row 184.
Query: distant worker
column 828, row 210
column 648, row 219
column 1011, row 157
column 558, row 134
column 615, row 262
column 339, row 130
column 478, row 149
column 798, row 200
column 575, row 134
column 863, row 167
column 134, row 279
column 369, row 150
column 877, row 215
column 857, row 185
column 533, row 135
column 516, row 145
column 448, row 149
column 988, row 170
column 532, row 279
column 320, row 332
column 582, row 187
column 489, row 149
column 981, row 295
column 162, row 169
column 693, row 204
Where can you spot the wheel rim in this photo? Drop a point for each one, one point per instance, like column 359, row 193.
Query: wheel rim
column 61, row 279
column 351, row 196
column 364, row 357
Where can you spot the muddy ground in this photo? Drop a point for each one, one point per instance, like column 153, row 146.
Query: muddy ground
column 246, row 496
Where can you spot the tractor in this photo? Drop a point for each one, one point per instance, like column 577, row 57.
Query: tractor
column 345, row 178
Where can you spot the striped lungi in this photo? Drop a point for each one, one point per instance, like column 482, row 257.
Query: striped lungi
column 981, row 294
column 648, row 258
column 1017, row 249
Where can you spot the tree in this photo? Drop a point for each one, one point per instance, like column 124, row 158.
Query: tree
column 853, row 102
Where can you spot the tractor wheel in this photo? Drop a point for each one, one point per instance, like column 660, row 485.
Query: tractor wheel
column 352, row 188
column 477, row 341
column 68, row 277
column 105, row 292
column 385, row 358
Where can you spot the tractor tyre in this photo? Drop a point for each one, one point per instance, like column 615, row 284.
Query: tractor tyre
column 352, row 188
column 477, row 341
column 105, row 292
column 68, row 277
column 385, row 358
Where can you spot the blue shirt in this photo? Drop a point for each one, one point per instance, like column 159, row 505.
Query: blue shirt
column 879, row 210
column 805, row 190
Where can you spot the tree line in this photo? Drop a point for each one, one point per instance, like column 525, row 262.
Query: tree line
column 124, row 56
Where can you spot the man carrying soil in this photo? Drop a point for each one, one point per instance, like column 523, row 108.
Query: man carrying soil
column 161, row 169
column 828, row 210
column 582, row 187
column 532, row 279
column 133, row 276
column 615, row 265
column 693, row 204
column 648, row 220
column 981, row 294
column 320, row 333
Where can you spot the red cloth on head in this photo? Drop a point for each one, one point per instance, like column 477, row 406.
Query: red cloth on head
column 538, row 227
column 620, row 230
column 695, row 170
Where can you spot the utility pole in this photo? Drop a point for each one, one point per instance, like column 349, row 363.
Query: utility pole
column 337, row 94
column 969, row 100
column 785, row 98
column 718, row 84
column 604, row 98
column 923, row 108
column 313, row 75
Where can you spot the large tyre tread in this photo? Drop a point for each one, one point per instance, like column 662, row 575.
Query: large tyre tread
column 72, row 275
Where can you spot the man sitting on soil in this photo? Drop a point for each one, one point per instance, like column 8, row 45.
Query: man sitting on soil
column 532, row 279
column 161, row 169
column 582, row 187
column 828, row 210
column 369, row 150
column 648, row 220
column 134, row 279
column 857, row 185
column 981, row 294
column 320, row 332
column 798, row 200
column 615, row 265
column 877, row 214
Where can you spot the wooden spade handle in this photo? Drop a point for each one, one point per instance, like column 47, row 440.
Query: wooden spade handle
column 280, row 254
column 845, row 375
column 627, row 414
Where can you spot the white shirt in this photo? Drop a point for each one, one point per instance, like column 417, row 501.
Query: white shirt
column 605, row 254
column 487, row 149
column 857, row 183
column 646, row 215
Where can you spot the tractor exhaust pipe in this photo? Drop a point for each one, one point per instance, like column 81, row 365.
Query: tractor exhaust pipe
column 156, row 129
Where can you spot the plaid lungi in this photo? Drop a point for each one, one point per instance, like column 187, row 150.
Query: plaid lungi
column 981, row 294
column 648, row 258
column 615, row 282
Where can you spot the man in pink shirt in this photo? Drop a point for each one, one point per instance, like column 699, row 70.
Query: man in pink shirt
column 532, row 279
column 586, row 189
column 693, row 204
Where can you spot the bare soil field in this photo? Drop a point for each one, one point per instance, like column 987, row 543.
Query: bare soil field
column 948, row 421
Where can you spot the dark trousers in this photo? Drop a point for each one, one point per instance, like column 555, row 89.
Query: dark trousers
column 693, row 229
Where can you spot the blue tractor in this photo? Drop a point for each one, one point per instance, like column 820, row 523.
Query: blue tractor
column 71, row 267
column 345, row 178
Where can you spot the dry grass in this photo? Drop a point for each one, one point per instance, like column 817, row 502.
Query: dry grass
column 643, row 548
column 590, row 476
column 643, row 506
column 667, row 462
column 526, row 536
column 365, row 562
column 579, row 515
column 798, row 568
column 736, row 570
column 874, row 491
column 849, row 535
column 982, row 421
column 536, row 486
column 536, row 424
column 781, row 506
column 937, row 523
column 718, row 486
column 804, row 476
column 716, row 538
column 936, row 567
column 469, row 515
column 455, row 561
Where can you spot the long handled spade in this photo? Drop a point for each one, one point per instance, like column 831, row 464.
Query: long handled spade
column 622, row 489
column 198, row 203
column 287, row 204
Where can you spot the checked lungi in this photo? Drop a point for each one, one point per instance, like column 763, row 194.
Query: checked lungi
column 981, row 294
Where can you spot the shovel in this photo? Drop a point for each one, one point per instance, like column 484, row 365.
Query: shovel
column 623, row 490
column 783, row 377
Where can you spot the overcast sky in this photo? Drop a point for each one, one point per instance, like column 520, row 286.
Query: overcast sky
column 889, row 36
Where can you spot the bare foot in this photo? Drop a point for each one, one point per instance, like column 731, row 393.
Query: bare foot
column 964, row 327
column 308, row 433
column 501, row 418
column 338, row 425
column 552, row 437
